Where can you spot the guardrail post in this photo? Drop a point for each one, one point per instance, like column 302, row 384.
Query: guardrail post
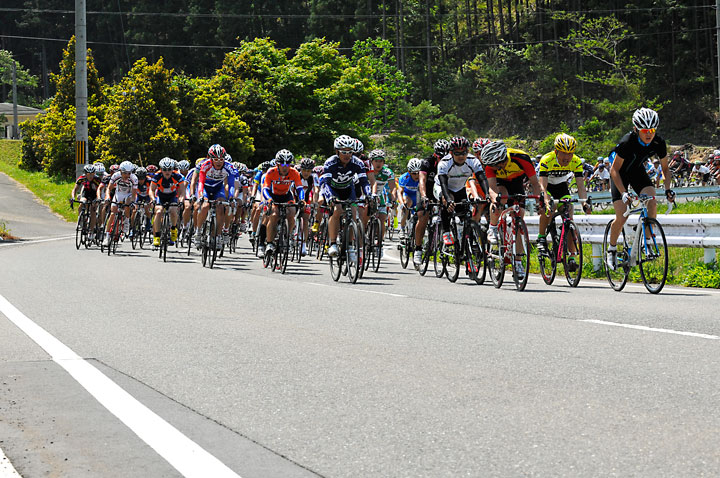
column 709, row 255
column 597, row 256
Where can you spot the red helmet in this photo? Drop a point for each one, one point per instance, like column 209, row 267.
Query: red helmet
column 479, row 144
column 216, row 152
column 459, row 142
column 114, row 168
column 152, row 169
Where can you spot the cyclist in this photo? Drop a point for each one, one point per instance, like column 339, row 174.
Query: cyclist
column 384, row 176
column 143, row 197
column 337, row 181
column 124, row 186
column 627, row 169
column 557, row 169
column 88, row 183
column 276, row 189
column 426, row 185
column 358, row 149
column 601, row 174
column 213, row 177
column 166, row 187
column 234, row 190
column 506, row 169
column 453, row 172
column 311, row 186
column 408, row 183
column 258, row 217
column 700, row 172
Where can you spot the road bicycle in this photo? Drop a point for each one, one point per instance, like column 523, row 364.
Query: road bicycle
column 512, row 244
column 349, row 244
column 406, row 244
column 563, row 247
column 165, row 226
column 278, row 258
column 647, row 249
column 468, row 245
column 140, row 233
column 373, row 238
column 210, row 228
column 115, row 227
column 82, row 229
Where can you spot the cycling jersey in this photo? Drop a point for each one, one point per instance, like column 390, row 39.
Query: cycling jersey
column 634, row 153
column 143, row 189
column 430, row 167
column 89, row 186
column 338, row 177
column 123, row 185
column 275, row 186
column 168, row 186
column 458, row 174
column 382, row 179
column 409, row 187
column 213, row 179
column 519, row 164
column 556, row 173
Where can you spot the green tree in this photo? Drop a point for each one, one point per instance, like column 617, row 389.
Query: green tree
column 142, row 119
column 25, row 80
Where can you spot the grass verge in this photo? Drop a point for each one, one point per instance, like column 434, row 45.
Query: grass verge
column 53, row 192
column 5, row 233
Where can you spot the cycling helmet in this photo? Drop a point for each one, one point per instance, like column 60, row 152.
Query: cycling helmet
column 318, row 170
column 114, row 168
column 199, row 161
column 242, row 167
column 599, row 159
column 152, row 169
column 344, row 141
column 99, row 168
column 184, row 165
column 216, row 152
column 645, row 118
column 565, row 143
column 414, row 165
column 265, row 166
column 442, row 146
column 167, row 164
column 377, row 154
column 228, row 158
column 307, row 163
column 479, row 144
column 357, row 146
column 89, row 168
column 284, row 157
column 494, row 153
column 126, row 167
column 141, row 172
column 459, row 142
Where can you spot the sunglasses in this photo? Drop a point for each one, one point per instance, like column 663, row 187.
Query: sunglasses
column 283, row 164
column 345, row 152
column 648, row 130
column 460, row 153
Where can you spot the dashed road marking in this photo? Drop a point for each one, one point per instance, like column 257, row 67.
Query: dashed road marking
column 24, row 243
column 7, row 470
column 651, row 329
column 357, row 289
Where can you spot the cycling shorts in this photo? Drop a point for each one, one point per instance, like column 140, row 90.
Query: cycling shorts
column 413, row 198
column 514, row 186
column 344, row 194
column 121, row 197
column 217, row 192
column 166, row 198
column 282, row 197
column 557, row 191
column 637, row 178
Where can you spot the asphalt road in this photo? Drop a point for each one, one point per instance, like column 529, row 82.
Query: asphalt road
column 398, row 375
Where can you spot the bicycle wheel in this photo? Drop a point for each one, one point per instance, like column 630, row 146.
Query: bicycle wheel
column 428, row 249
column 653, row 256
column 336, row 264
column 475, row 254
column 78, row 230
column 352, row 251
column 454, row 255
column 548, row 260
column 521, row 257
column 111, row 229
column 618, row 277
column 164, row 237
column 572, row 263
column 376, row 244
column 283, row 246
column 298, row 239
column 439, row 257
column 322, row 239
column 404, row 246
column 189, row 239
column 390, row 227
column 212, row 254
column 496, row 256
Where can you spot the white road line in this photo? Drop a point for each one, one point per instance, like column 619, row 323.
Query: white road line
column 652, row 329
column 186, row 456
column 356, row 289
column 7, row 470
column 23, row 243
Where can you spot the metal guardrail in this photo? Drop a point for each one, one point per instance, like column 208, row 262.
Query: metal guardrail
column 681, row 230
column 694, row 191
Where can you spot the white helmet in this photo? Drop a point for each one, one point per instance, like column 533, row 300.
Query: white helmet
column 344, row 141
column 284, row 157
column 645, row 118
column 184, row 165
column 414, row 165
column 494, row 153
column 358, row 146
column 99, row 168
column 126, row 167
column 166, row 164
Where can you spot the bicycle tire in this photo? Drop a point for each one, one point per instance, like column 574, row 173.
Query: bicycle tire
column 427, row 249
column 572, row 235
column 475, row 254
column 78, row 230
column 111, row 230
column 322, row 239
column 617, row 278
column 521, row 228
column 439, row 254
column 336, row 266
column 212, row 242
column 352, row 242
column 496, row 257
column 164, row 236
column 548, row 260
column 283, row 246
column 404, row 252
column 454, row 254
column 654, row 283
column 377, row 244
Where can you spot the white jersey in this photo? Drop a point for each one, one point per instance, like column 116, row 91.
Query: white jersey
column 124, row 186
column 458, row 174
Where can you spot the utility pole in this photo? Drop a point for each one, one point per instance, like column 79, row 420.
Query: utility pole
column 429, row 54
column 14, row 93
column 81, row 108
column 717, row 33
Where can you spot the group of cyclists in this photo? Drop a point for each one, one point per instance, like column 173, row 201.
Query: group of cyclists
column 485, row 176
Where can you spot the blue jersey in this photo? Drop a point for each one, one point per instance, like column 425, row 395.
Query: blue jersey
column 409, row 186
column 338, row 176
column 234, row 176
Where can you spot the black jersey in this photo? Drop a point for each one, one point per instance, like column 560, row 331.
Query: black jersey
column 430, row 166
column 634, row 153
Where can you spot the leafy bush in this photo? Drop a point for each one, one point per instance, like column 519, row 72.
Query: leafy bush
column 703, row 275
